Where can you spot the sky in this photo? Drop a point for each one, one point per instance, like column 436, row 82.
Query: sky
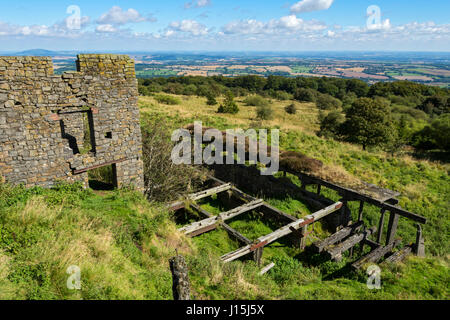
column 225, row 25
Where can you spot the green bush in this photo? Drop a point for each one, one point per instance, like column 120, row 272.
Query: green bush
column 165, row 99
column 327, row 102
column 291, row 109
column 211, row 100
column 306, row 95
column 264, row 112
column 256, row 101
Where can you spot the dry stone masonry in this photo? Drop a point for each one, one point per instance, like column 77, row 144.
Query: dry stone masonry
column 57, row 127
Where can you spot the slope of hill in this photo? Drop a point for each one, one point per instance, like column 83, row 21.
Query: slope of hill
column 122, row 243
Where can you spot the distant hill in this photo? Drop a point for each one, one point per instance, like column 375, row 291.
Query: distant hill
column 43, row 52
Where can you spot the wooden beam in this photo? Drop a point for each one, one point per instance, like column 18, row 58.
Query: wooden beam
column 266, row 269
column 199, row 195
column 336, row 251
column 265, row 240
column 399, row 255
column 266, row 208
column 354, row 195
column 319, row 246
column 376, row 254
column 233, row 233
column 221, row 217
column 99, row 166
column 207, row 193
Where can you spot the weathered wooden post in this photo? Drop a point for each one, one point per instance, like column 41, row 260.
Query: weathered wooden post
column 257, row 255
column 181, row 287
column 303, row 234
column 419, row 247
column 381, row 226
column 392, row 227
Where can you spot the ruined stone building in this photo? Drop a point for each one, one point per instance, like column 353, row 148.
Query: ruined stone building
column 58, row 127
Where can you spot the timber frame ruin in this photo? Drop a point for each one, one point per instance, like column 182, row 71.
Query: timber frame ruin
column 347, row 233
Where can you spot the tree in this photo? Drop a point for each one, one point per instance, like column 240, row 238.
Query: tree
column 436, row 105
column 368, row 122
column 211, row 99
column 434, row 136
column 229, row 105
column 330, row 124
column 305, row 95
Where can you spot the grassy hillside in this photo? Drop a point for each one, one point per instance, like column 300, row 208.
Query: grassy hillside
column 122, row 243
column 424, row 185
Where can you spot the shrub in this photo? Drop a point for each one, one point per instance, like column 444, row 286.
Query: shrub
column 264, row 112
column 211, row 100
column 281, row 95
column 327, row 102
column 291, row 109
column 163, row 179
column 161, row 98
column 299, row 162
column 256, row 101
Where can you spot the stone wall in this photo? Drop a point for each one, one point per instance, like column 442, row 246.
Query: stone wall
column 55, row 127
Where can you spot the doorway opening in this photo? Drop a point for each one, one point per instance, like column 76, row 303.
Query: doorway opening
column 103, row 178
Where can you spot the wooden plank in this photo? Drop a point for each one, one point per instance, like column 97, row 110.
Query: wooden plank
column 266, row 208
column 399, row 255
column 206, row 193
column 202, row 230
column 336, row 251
column 240, row 237
column 221, row 217
column 199, row 195
column 267, row 269
column 201, row 210
column 99, row 166
column 372, row 244
column 233, row 233
column 319, row 246
column 265, row 240
column 392, row 227
column 376, row 254
column 354, row 195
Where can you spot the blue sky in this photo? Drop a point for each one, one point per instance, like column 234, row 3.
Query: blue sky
column 230, row 25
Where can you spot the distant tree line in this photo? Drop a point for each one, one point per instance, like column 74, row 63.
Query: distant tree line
column 387, row 114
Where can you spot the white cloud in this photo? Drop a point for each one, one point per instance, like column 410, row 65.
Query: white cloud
column 384, row 25
column 188, row 26
column 105, row 28
column 311, row 5
column 197, row 4
column 284, row 25
column 117, row 16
